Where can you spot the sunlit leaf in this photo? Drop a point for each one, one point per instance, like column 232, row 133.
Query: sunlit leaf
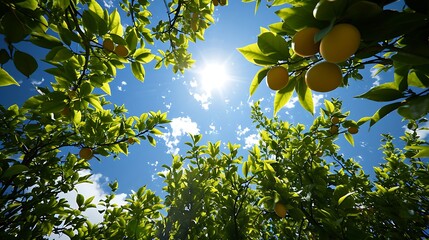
column 383, row 93
column 349, row 138
column 6, row 79
column 254, row 55
column 383, row 111
column 283, row 96
column 305, row 96
column 257, row 79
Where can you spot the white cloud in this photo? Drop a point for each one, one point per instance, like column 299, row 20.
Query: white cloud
column 123, row 84
column 37, row 83
column 203, row 99
column 179, row 126
column 375, row 76
column 251, row 140
column 317, row 99
column 212, row 130
column 240, row 131
column 291, row 102
column 108, row 3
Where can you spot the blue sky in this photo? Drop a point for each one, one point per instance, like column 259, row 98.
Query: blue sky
column 219, row 113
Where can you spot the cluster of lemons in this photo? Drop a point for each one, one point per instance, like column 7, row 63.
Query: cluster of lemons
column 338, row 45
column 120, row 50
column 220, row 2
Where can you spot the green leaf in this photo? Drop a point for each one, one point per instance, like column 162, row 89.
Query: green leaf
column 383, row 93
column 253, row 54
column 283, row 95
column 349, row 138
column 94, row 101
column 59, row 54
column 329, row 106
column 415, row 108
column 45, row 40
column 341, row 199
column 400, row 76
column 151, row 140
column 423, row 151
column 138, row 70
column 24, row 62
column 143, row 55
column 53, row 106
column 305, row 96
column 418, row 79
column 115, row 24
column 257, row 79
column 274, row 45
column 324, row 31
column 298, row 17
column 245, row 168
column 6, row 79
column 383, row 111
column 14, row 170
column 80, row 200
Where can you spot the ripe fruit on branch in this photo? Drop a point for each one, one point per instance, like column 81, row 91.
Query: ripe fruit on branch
column 215, row 2
column 335, row 120
column 277, row 78
column 108, row 45
column 303, row 42
column 323, row 77
column 86, row 153
column 334, row 129
column 121, row 51
column 353, row 130
column 340, row 43
column 280, row 209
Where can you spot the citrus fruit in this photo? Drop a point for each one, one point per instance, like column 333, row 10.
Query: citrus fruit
column 86, row 153
column 326, row 10
column 215, row 2
column 108, row 45
column 121, row 51
column 334, row 129
column 222, row 2
column 340, row 43
column 280, row 209
column 335, row 120
column 323, row 77
column 353, row 130
column 277, row 78
column 303, row 42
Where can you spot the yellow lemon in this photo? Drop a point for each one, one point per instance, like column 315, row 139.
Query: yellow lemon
column 277, row 78
column 340, row 43
column 323, row 77
column 303, row 42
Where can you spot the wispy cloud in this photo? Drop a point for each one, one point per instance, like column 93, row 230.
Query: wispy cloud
column 108, row 3
column 241, row 131
column 121, row 87
column 375, row 76
column 212, row 129
column 291, row 103
column 179, row 126
column 37, row 83
column 251, row 140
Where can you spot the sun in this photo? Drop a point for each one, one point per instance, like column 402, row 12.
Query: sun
column 213, row 76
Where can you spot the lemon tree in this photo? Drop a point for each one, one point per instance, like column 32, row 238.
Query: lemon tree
column 354, row 34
